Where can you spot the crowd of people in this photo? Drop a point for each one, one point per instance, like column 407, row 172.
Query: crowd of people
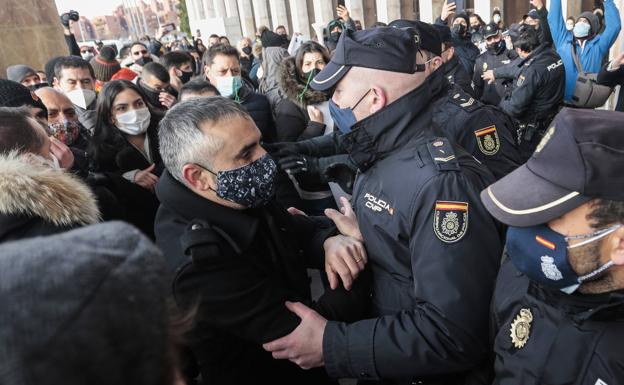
column 458, row 185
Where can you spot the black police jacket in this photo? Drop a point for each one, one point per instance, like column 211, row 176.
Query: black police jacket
column 238, row 267
column 489, row 60
column 538, row 87
column 544, row 336
column 456, row 74
column 486, row 132
column 433, row 249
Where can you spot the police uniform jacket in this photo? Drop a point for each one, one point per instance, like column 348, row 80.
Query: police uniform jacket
column 486, row 132
column 432, row 247
column 238, row 267
column 538, row 87
column 488, row 60
column 456, row 74
column 544, row 336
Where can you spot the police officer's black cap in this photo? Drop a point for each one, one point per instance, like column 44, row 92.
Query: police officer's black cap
column 429, row 37
column 444, row 32
column 383, row 48
column 579, row 159
column 490, row 30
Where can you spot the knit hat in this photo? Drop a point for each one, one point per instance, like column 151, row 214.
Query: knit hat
column 105, row 65
column 124, row 74
column 18, row 72
column 14, row 94
column 84, row 307
column 272, row 39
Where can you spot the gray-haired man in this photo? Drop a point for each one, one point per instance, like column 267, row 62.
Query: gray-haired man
column 236, row 254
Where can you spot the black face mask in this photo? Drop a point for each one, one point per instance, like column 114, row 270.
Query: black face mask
column 247, row 50
column 497, row 47
column 476, row 29
column 334, row 36
column 152, row 95
column 459, row 29
column 143, row 60
column 186, row 76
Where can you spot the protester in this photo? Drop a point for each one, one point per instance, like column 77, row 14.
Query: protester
column 138, row 56
column 269, row 84
column 23, row 74
column 180, row 68
column 233, row 253
column 74, row 77
column 281, row 30
column 336, row 27
column 213, row 40
column 612, row 74
column 155, row 82
column 412, row 199
column 558, row 302
column 590, row 45
column 452, row 67
column 464, row 48
column 104, row 67
column 222, row 69
column 96, row 297
column 244, row 47
column 37, row 197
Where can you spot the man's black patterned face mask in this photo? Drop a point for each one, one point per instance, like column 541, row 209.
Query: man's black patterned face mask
column 252, row 185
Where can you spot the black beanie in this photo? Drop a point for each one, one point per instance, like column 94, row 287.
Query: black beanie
column 105, row 65
column 272, row 39
column 14, row 94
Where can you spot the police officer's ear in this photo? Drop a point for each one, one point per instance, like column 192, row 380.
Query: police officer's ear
column 379, row 99
column 615, row 246
column 435, row 63
column 198, row 178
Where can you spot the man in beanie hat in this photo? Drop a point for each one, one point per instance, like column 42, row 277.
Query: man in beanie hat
column 104, row 66
column 414, row 196
column 558, row 307
column 337, row 26
column 590, row 45
column 86, row 307
column 465, row 50
column 23, row 74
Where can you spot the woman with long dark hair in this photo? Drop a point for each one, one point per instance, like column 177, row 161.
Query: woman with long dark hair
column 124, row 146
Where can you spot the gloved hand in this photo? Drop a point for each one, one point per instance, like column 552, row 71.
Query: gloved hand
column 339, row 169
column 297, row 163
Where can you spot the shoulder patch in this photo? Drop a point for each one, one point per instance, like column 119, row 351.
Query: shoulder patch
column 450, row 220
column 521, row 79
column 464, row 100
column 442, row 153
column 485, row 66
column 488, row 140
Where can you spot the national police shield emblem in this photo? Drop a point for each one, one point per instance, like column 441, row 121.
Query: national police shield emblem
column 487, row 140
column 450, row 220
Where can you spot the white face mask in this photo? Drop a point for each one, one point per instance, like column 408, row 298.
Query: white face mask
column 134, row 122
column 496, row 18
column 81, row 97
column 87, row 56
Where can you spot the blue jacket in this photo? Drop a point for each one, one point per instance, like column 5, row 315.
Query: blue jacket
column 593, row 52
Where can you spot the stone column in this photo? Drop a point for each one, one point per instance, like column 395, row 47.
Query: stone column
column 190, row 10
column 248, row 24
column 356, row 10
column 388, row 10
column 219, row 8
column 279, row 15
column 484, row 9
column 209, row 10
column 231, row 8
column 323, row 11
column 300, row 18
column 261, row 13
column 426, row 11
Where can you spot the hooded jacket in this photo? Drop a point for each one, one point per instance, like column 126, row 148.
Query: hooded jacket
column 271, row 59
column 36, row 199
column 595, row 48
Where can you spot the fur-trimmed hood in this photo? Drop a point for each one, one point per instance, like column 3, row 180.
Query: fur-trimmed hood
column 29, row 187
column 292, row 87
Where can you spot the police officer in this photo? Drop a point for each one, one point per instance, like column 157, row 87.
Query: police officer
column 537, row 91
column 416, row 199
column 558, row 308
column 495, row 56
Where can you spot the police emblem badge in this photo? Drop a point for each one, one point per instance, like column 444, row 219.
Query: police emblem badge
column 488, row 141
column 450, row 220
column 521, row 328
column 520, row 80
column 485, row 66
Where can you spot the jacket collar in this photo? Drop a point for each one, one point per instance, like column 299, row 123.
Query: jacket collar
column 403, row 122
column 538, row 51
column 240, row 225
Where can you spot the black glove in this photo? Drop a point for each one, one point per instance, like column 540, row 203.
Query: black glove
column 297, row 163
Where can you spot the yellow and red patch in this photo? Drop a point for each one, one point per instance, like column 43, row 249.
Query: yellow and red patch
column 544, row 242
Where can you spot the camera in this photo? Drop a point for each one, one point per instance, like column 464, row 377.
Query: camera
column 67, row 16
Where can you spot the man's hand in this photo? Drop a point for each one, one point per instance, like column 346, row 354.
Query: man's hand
column 539, row 4
column 488, row 76
column 167, row 99
column 146, row 179
column 62, row 153
column 343, row 13
column 345, row 258
column 616, row 63
column 345, row 220
column 447, row 10
column 315, row 114
column 304, row 346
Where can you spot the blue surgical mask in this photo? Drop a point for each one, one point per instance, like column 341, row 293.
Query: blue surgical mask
column 228, row 86
column 344, row 117
column 581, row 30
column 542, row 255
